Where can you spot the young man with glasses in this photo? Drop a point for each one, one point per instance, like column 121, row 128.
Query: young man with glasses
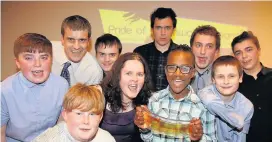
column 163, row 24
column 178, row 102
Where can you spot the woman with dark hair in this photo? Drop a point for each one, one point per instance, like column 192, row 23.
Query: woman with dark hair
column 127, row 85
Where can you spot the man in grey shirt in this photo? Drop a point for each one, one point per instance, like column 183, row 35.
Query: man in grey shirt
column 205, row 44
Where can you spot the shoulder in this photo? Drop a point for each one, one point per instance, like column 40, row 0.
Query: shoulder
column 143, row 47
column 51, row 134
column 91, row 63
column 207, row 94
column 10, row 83
column 159, row 95
column 244, row 102
column 103, row 135
column 54, row 79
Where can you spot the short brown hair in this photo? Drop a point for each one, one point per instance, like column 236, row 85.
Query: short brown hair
column 76, row 23
column 32, row 42
column 246, row 35
column 227, row 60
column 206, row 30
column 85, row 98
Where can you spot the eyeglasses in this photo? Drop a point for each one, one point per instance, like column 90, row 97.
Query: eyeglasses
column 182, row 69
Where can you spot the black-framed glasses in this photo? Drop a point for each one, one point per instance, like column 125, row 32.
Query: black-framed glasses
column 173, row 68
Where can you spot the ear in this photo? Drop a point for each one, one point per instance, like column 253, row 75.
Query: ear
column 101, row 116
column 17, row 63
column 62, row 40
column 64, row 114
column 241, row 79
column 213, row 81
column 192, row 73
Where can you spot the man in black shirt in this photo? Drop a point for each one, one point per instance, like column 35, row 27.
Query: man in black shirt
column 163, row 24
column 256, row 85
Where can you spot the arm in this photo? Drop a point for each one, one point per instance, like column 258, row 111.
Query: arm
column 208, row 124
column 217, row 107
column 4, row 117
column 146, row 134
column 3, row 133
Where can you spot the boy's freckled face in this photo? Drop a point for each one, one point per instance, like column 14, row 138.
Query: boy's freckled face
column 82, row 126
column 36, row 67
column 226, row 79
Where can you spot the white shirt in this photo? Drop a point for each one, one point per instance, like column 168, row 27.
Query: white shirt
column 87, row 71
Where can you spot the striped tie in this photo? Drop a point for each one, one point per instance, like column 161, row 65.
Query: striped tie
column 65, row 72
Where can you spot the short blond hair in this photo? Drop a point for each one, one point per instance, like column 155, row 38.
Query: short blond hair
column 85, row 98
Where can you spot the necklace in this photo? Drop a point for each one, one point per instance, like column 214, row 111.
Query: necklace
column 126, row 104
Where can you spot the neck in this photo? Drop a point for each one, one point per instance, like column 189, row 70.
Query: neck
column 201, row 70
column 227, row 99
column 254, row 71
column 182, row 94
column 162, row 48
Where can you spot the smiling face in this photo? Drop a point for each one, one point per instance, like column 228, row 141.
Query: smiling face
column 131, row 79
column 226, row 79
column 204, row 49
column 82, row 126
column 248, row 54
column 35, row 67
column 177, row 80
column 106, row 56
column 162, row 31
column 75, row 44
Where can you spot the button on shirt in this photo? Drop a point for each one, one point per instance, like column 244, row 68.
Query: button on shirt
column 259, row 92
column 164, row 105
column 156, row 61
column 28, row 109
column 236, row 113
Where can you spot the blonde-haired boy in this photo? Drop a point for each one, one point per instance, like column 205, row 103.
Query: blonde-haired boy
column 83, row 108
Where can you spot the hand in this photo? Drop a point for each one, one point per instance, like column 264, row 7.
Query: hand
column 196, row 130
column 139, row 116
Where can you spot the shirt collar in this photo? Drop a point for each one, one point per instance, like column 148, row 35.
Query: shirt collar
column 232, row 102
column 27, row 82
column 206, row 71
column 191, row 97
column 171, row 46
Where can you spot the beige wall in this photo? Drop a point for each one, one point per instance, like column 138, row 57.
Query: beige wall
column 18, row 18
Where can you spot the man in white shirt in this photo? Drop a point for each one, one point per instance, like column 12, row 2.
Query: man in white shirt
column 72, row 61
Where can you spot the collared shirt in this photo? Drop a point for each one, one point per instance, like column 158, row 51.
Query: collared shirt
column 156, row 61
column 259, row 92
column 87, row 71
column 28, row 109
column 164, row 105
column 60, row 133
column 229, row 116
column 202, row 79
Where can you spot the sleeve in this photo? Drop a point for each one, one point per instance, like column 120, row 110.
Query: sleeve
column 148, row 136
column 208, row 123
column 247, row 121
column 217, row 107
column 4, row 110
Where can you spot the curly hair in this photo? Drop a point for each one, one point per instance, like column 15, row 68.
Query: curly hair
column 111, row 87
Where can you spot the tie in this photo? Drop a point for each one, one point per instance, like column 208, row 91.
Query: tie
column 200, row 82
column 65, row 73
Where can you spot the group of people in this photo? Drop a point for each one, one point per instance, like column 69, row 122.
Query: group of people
column 66, row 94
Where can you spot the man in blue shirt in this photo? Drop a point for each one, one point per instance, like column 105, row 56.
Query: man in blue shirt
column 31, row 99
